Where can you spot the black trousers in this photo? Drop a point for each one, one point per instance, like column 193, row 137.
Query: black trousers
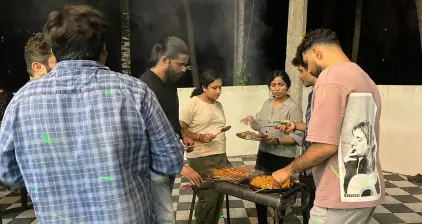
column 269, row 163
column 309, row 181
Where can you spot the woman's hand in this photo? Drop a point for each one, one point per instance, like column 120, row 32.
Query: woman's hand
column 205, row 138
column 269, row 140
column 287, row 128
column 248, row 120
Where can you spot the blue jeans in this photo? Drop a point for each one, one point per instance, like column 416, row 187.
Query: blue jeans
column 161, row 190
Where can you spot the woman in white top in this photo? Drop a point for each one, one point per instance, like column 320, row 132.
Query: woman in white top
column 201, row 119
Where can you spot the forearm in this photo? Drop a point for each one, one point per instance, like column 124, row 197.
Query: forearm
column 190, row 135
column 286, row 141
column 315, row 155
column 300, row 126
column 255, row 125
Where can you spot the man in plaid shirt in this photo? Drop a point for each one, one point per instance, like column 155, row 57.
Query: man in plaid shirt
column 83, row 139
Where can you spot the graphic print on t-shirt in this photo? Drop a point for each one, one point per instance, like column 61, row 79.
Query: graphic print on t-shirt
column 359, row 180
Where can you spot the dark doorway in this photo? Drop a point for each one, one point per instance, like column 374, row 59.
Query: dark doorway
column 20, row 19
column 266, row 49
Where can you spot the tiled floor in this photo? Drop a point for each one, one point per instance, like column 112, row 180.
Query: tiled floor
column 403, row 203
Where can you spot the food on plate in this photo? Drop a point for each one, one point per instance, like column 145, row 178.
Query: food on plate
column 230, row 173
column 266, row 182
column 248, row 135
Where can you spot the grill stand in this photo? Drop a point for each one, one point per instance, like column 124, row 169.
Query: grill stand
column 273, row 200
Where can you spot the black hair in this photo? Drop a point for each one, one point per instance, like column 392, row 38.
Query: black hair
column 169, row 47
column 319, row 36
column 205, row 79
column 76, row 32
column 279, row 73
column 298, row 59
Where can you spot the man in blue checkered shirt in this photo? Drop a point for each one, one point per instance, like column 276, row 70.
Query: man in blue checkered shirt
column 83, row 139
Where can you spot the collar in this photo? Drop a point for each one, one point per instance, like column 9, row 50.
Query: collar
column 75, row 64
column 156, row 78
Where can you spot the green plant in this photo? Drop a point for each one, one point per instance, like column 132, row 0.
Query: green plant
column 241, row 76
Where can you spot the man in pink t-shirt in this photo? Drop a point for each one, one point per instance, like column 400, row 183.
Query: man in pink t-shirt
column 344, row 131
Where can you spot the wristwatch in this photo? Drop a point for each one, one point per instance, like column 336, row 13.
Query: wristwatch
column 277, row 141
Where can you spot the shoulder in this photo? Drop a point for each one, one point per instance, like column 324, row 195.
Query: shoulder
column 219, row 105
column 346, row 75
column 292, row 104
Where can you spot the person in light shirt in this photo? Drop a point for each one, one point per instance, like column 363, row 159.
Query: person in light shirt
column 202, row 118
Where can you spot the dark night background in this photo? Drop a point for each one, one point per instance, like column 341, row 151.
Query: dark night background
column 389, row 49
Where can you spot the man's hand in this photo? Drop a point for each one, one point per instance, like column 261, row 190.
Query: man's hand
column 287, row 128
column 280, row 176
column 248, row 120
column 269, row 140
column 192, row 175
column 189, row 144
column 205, row 138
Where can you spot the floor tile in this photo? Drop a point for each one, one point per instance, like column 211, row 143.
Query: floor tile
column 395, row 191
column 175, row 192
column 416, row 207
column 183, row 206
column 381, row 210
column 185, row 198
column 183, row 215
column 407, row 198
column 403, row 183
column 185, row 191
column 390, row 200
column 21, row 221
column 419, row 196
column 410, row 217
column 398, row 208
column 9, row 200
column 413, row 190
column 26, row 214
column 394, row 177
column 389, row 185
column 248, row 204
column 387, row 218
column 373, row 221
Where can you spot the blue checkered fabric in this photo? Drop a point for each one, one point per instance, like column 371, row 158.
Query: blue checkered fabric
column 83, row 139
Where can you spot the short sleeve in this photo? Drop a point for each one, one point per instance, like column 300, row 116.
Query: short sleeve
column 329, row 106
column 187, row 112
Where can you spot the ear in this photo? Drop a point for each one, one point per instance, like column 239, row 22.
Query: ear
column 36, row 67
column 164, row 60
column 318, row 52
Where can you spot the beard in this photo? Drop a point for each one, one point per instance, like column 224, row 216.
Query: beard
column 172, row 76
column 317, row 71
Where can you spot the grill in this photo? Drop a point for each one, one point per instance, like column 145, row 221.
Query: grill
column 240, row 187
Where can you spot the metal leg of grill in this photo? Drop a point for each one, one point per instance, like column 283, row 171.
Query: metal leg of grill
column 227, row 209
column 276, row 216
column 192, row 205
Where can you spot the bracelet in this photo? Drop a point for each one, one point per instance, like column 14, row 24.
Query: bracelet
column 294, row 124
column 199, row 137
column 277, row 141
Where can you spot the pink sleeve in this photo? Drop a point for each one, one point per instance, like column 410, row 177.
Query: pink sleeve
column 329, row 106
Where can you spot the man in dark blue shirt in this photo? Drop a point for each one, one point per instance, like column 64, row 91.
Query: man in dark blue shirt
column 308, row 81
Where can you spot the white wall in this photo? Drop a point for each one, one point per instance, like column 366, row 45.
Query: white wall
column 238, row 102
column 401, row 123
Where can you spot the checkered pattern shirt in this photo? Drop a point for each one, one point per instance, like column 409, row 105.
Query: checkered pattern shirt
column 83, row 139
